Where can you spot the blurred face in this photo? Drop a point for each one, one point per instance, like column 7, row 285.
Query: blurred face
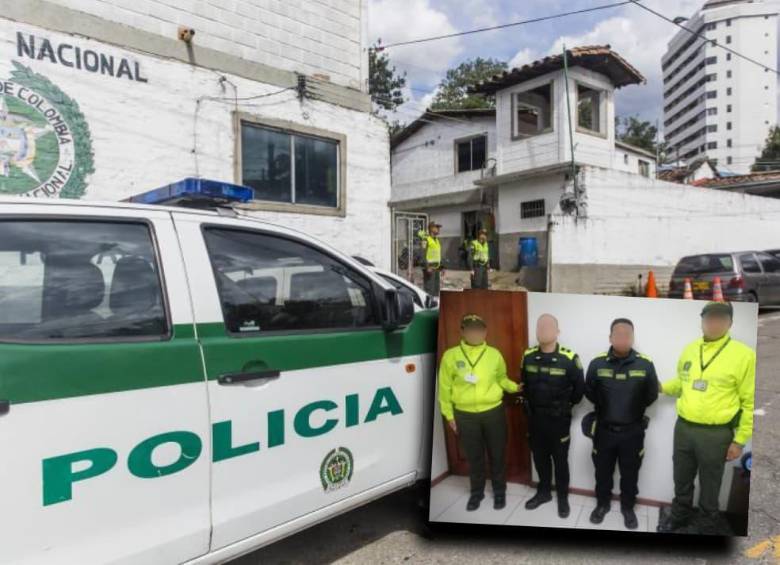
column 715, row 326
column 474, row 335
column 434, row 230
column 546, row 329
column 482, row 237
column 622, row 338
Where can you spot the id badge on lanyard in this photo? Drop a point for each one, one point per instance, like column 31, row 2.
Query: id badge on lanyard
column 700, row 384
column 472, row 377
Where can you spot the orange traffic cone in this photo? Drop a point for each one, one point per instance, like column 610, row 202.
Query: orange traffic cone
column 717, row 290
column 688, row 292
column 652, row 290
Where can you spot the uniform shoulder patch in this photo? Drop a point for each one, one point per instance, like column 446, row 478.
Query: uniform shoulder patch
column 530, row 350
column 600, row 355
column 567, row 352
column 645, row 357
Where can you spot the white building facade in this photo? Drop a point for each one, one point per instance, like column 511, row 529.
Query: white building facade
column 555, row 172
column 103, row 100
column 717, row 104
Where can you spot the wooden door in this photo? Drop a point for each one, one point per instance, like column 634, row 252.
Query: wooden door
column 506, row 314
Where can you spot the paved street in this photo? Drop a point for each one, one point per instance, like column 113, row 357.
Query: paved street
column 393, row 530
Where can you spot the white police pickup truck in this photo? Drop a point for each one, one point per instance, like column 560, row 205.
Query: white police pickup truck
column 183, row 385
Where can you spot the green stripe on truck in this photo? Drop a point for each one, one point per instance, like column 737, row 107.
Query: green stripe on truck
column 39, row 372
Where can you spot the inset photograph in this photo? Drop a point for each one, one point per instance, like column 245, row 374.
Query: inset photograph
column 593, row 412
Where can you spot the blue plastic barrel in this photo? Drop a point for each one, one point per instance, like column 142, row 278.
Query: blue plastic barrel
column 528, row 252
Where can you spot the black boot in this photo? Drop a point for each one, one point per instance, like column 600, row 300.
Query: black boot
column 597, row 516
column 499, row 501
column 667, row 523
column 563, row 506
column 629, row 518
column 474, row 501
column 537, row 500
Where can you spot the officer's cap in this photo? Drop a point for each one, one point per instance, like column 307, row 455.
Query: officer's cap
column 483, row 230
column 718, row 309
column 472, row 321
column 433, row 224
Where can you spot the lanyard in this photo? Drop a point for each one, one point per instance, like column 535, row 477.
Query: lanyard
column 474, row 364
column 701, row 355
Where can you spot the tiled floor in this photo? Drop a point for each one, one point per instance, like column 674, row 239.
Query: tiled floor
column 449, row 497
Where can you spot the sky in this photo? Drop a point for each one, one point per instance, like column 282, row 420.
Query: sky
column 634, row 33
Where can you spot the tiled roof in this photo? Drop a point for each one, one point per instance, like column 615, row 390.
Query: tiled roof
column 598, row 58
column 738, row 180
column 454, row 116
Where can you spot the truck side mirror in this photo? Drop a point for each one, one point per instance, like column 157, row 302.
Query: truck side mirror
column 397, row 310
column 431, row 302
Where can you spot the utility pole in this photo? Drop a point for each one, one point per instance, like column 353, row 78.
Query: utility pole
column 571, row 133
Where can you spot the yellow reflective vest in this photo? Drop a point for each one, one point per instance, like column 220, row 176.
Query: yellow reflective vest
column 716, row 380
column 479, row 251
column 472, row 378
column 432, row 248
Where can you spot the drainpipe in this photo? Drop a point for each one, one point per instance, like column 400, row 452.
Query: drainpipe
column 549, row 253
column 571, row 133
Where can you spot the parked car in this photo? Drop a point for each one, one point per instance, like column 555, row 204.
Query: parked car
column 774, row 252
column 747, row 276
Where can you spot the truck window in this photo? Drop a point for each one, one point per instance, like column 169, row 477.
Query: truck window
column 269, row 283
column 79, row 280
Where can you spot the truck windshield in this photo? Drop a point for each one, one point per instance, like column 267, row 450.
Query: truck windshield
column 699, row 264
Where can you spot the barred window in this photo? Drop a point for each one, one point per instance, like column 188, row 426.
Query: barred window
column 532, row 209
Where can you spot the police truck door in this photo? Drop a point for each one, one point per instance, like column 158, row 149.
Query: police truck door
column 312, row 404
column 106, row 415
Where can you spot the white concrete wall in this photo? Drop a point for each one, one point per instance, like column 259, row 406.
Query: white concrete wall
column 145, row 135
column 637, row 221
column 425, row 163
column 549, row 188
column 308, row 36
column 627, row 161
column 663, row 328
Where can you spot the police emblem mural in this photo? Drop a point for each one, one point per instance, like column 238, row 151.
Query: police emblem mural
column 45, row 143
column 336, row 469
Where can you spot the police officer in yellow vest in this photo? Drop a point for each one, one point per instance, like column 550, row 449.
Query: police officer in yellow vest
column 479, row 261
column 431, row 263
column 715, row 388
column 472, row 382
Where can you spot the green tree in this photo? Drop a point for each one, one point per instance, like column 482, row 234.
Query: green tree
column 385, row 82
column 637, row 132
column 770, row 155
column 453, row 89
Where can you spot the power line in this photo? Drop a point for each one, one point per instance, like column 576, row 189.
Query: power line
column 502, row 26
column 702, row 36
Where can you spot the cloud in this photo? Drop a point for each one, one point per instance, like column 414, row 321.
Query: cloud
column 424, row 63
column 523, row 57
column 641, row 38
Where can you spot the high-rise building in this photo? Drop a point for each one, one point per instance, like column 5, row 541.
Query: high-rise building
column 716, row 103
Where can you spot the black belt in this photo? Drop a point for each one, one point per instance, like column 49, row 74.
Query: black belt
column 729, row 424
column 618, row 428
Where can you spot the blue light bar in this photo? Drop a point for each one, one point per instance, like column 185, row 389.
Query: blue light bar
column 195, row 192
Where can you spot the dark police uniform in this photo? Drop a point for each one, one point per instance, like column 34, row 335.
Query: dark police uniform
column 620, row 388
column 553, row 383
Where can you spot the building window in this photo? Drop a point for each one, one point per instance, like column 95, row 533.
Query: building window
column 728, row 143
column 710, row 60
column 471, row 153
column 728, row 125
column 712, row 145
column 532, row 209
column 712, row 128
column 728, row 39
column 728, row 56
column 728, row 160
column 712, row 111
column 711, row 26
column 289, row 167
column 728, row 23
column 625, row 158
column 728, row 91
column 644, row 168
column 728, row 108
column 532, row 113
column 728, row 74
column 712, row 94
column 711, row 77
column 589, row 108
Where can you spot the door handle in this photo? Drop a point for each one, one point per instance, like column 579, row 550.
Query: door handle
column 5, row 406
column 253, row 376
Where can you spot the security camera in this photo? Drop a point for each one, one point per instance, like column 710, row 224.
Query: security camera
column 186, row 34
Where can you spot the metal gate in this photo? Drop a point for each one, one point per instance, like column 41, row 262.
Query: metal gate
column 407, row 248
